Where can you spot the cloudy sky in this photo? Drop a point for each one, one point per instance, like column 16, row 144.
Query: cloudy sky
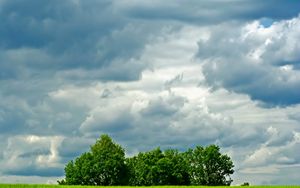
column 150, row 73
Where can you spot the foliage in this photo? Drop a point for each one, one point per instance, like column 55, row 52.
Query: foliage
column 246, row 184
column 67, row 186
column 108, row 166
column 158, row 168
column 105, row 164
column 207, row 166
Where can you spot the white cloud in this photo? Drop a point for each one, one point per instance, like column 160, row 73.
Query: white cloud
column 150, row 76
column 31, row 155
column 171, row 99
column 254, row 60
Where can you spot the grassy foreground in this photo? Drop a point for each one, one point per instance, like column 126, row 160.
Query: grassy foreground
column 64, row 186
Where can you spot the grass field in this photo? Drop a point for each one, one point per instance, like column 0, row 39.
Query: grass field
column 61, row 186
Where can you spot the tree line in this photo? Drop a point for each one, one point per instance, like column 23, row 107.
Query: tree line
column 106, row 164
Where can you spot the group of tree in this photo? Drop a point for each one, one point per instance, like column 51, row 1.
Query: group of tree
column 106, row 164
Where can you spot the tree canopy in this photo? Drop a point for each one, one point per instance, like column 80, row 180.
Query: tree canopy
column 207, row 166
column 105, row 164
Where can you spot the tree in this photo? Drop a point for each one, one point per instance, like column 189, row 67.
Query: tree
column 174, row 167
column 108, row 164
column 158, row 168
column 245, row 184
column 207, row 166
column 144, row 169
column 78, row 172
column 103, row 165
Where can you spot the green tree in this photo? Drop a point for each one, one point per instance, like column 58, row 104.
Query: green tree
column 173, row 168
column 207, row 166
column 158, row 168
column 195, row 161
column 103, row 165
column 108, row 165
column 71, row 175
column 78, row 172
column 245, row 184
column 143, row 168
column 83, row 164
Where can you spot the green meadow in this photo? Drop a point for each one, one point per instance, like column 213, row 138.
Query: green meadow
column 67, row 186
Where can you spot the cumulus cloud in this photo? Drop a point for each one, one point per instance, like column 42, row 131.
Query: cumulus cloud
column 149, row 74
column 71, row 147
column 208, row 12
column 185, row 121
column 74, row 36
column 108, row 119
column 271, row 162
column 258, row 61
column 30, row 155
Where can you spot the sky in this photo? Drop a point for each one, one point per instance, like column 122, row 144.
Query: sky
column 150, row 73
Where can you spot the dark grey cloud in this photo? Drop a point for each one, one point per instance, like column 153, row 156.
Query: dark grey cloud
column 93, row 34
column 35, row 171
column 71, row 147
column 66, row 36
column 35, row 153
column 254, row 60
column 38, row 24
column 72, row 70
column 211, row 12
column 265, row 88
